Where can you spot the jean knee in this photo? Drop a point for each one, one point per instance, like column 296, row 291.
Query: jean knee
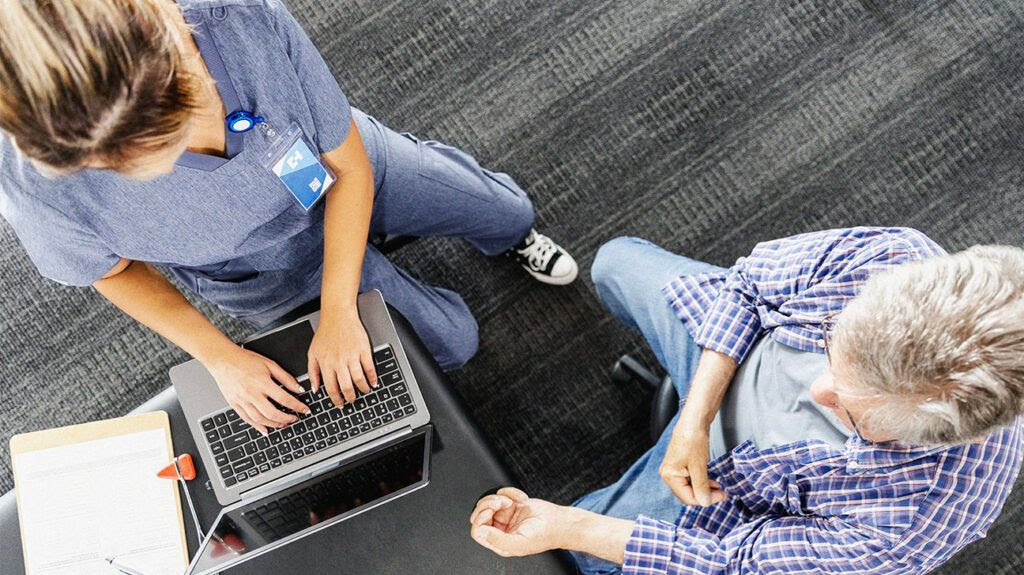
column 516, row 207
column 462, row 342
column 612, row 258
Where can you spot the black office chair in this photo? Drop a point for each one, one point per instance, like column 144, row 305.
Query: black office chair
column 666, row 399
column 388, row 244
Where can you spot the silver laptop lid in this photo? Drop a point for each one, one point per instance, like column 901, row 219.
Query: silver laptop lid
column 253, row 527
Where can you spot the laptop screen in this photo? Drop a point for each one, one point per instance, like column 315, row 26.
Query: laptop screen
column 250, row 528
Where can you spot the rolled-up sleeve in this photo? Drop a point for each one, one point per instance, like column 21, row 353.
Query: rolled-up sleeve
column 331, row 112
column 732, row 324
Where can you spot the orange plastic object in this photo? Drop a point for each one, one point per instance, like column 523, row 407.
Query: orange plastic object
column 168, row 472
column 188, row 469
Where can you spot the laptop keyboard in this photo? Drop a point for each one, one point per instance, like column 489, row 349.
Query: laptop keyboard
column 242, row 453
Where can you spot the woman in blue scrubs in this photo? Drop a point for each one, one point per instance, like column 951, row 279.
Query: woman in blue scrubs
column 143, row 133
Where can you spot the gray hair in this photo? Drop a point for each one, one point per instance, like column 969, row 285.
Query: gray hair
column 939, row 343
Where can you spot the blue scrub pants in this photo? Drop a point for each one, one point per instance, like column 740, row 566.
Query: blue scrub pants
column 424, row 188
column 629, row 274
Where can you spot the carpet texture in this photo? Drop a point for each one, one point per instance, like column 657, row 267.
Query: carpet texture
column 703, row 126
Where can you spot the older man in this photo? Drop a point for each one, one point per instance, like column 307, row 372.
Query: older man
column 868, row 390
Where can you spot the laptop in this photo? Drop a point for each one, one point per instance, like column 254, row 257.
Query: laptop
column 327, row 467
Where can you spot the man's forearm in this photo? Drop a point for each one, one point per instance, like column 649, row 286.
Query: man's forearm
column 598, row 535
column 714, row 374
column 145, row 294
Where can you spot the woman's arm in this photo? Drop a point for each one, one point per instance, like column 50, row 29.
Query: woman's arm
column 245, row 378
column 340, row 354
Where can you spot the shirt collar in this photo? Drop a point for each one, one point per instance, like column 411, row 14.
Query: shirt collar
column 233, row 141
column 862, row 454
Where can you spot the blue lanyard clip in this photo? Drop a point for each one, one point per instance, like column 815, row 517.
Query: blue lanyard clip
column 242, row 121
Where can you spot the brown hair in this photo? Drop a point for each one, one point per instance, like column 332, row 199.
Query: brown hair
column 88, row 81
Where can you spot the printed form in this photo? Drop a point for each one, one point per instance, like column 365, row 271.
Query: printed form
column 85, row 502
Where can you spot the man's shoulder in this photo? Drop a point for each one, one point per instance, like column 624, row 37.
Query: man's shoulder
column 909, row 241
column 862, row 248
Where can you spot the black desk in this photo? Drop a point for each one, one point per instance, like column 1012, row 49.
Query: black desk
column 424, row 532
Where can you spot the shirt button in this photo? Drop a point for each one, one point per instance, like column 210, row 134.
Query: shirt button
column 821, row 343
column 853, row 465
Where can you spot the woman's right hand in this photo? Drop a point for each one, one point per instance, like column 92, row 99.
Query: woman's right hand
column 250, row 381
column 685, row 466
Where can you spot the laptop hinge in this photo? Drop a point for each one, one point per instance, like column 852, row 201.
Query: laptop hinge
column 300, row 475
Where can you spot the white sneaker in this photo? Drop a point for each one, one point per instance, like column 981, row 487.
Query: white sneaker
column 545, row 260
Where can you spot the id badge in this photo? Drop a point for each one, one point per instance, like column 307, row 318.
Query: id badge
column 298, row 167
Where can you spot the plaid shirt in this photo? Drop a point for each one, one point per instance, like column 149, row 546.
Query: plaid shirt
column 808, row 507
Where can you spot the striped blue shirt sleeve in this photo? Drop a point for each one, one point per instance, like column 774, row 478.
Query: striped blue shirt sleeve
column 731, row 323
column 791, row 283
column 787, row 544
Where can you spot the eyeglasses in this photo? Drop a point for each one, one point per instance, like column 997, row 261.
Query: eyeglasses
column 828, row 326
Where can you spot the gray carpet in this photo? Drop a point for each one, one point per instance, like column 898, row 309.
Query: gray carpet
column 704, row 126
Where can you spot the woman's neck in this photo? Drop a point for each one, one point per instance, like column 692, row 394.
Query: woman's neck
column 207, row 133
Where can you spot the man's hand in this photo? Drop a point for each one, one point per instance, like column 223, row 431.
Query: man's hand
column 340, row 358
column 685, row 466
column 512, row 524
column 249, row 381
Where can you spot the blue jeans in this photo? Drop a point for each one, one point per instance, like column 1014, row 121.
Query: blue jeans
column 629, row 274
column 424, row 188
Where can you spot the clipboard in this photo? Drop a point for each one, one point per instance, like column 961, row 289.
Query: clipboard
column 36, row 443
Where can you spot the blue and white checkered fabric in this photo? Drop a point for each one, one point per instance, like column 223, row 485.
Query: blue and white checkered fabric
column 808, row 507
column 788, row 286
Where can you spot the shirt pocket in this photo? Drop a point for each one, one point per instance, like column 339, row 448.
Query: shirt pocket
column 229, row 285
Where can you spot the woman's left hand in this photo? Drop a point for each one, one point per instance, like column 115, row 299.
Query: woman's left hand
column 340, row 358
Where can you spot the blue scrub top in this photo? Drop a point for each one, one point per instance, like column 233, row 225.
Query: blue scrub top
column 226, row 227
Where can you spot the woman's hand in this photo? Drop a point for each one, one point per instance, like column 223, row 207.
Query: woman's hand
column 512, row 524
column 340, row 357
column 249, row 381
column 685, row 466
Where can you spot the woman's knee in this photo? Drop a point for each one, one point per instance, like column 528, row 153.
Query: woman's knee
column 461, row 342
column 511, row 205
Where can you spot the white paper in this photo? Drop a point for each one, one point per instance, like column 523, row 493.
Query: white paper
column 85, row 502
